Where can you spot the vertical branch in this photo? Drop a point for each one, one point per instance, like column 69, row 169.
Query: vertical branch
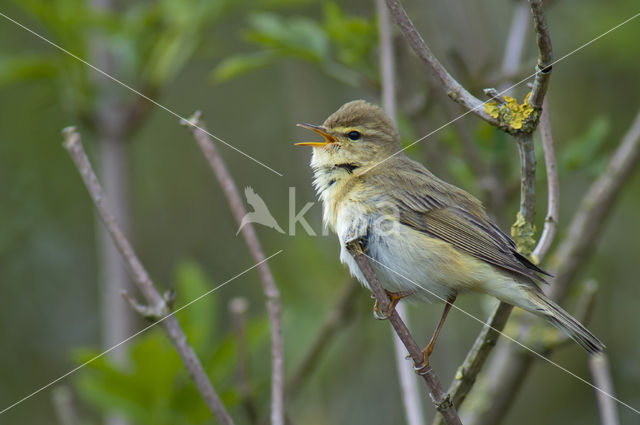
column 270, row 290
column 440, row 399
column 238, row 309
column 601, row 374
column 157, row 303
column 545, row 55
column 553, row 186
column 63, row 405
column 408, row 384
column 515, row 41
column 527, row 178
column 116, row 321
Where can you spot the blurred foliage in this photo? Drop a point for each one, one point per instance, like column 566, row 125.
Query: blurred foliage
column 341, row 45
column 154, row 388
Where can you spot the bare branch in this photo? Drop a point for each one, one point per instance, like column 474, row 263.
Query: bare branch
column 140, row 276
column 506, row 373
column 601, row 374
column 545, row 55
column 453, row 89
column 63, row 405
column 441, row 400
column 337, row 318
column 512, row 59
column 553, row 186
column 238, row 308
column 271, row 293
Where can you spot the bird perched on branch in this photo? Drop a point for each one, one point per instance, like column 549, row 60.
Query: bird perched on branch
column 426, row 238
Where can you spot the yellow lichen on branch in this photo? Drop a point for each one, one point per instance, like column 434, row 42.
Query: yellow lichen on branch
column 510, row 112
column 523, row 233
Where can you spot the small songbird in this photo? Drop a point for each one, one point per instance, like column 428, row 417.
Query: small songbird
column 426, row 238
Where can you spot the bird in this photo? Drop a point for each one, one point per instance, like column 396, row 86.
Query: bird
column 260, row 213
column 427, row 240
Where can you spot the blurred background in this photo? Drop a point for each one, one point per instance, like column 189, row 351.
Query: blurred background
column 255, row 69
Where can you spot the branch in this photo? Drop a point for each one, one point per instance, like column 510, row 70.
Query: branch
column 453, row 89
column 336, row 320
column 601, row 374
column 545, row 55
column 506, row 374
column 238, row 308
column 140, row 276
column 553, row 187
column 63, row 407
column 441, row 400
column 271, row 293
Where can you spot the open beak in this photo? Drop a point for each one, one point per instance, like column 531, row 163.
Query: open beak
column 328, row 138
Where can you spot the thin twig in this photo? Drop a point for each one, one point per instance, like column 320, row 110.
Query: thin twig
column 271, row 293
column 601, row 374
column 336, row 320
column 238, row 308
column 553, row 186
column 453, row 89
column 511, row 365
column 441, row 400
column 512, row 59
column 545, row 55
column 73, row 145
column 63, row 405
column 408, row 382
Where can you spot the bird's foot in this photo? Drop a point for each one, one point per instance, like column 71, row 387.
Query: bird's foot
column 394, row 298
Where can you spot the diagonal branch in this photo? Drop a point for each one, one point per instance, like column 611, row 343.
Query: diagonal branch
column 271, row 293
column 441, row 400
column 453, row 89
column 141, row 278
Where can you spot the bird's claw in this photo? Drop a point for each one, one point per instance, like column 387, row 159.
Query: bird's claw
column 394, row 299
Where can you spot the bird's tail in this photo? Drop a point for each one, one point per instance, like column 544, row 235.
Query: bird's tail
column 567, row 324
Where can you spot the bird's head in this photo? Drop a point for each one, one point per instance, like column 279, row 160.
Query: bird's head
column 358, row 133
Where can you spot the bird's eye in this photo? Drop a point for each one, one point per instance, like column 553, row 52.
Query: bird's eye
column 354, row 135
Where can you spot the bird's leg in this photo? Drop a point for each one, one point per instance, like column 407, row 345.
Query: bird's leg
column 429, row 348
column 394, row 298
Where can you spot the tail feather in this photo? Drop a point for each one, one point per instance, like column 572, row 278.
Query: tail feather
column 570, row 326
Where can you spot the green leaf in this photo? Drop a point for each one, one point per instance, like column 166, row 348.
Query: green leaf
column 296, row 37
column 237, row 65
column 27, row 67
